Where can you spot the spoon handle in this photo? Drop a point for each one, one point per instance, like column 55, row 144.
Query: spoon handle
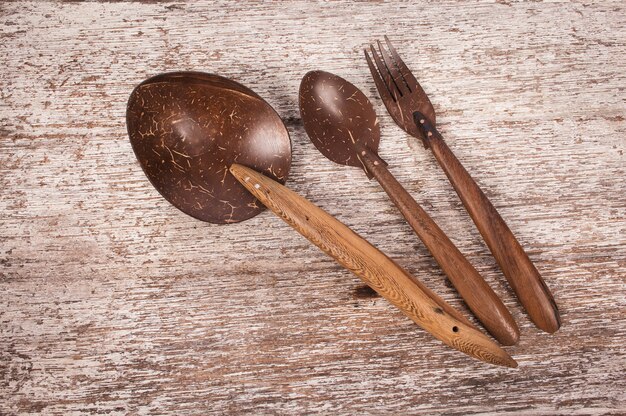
column 478, row 295
column 520, row 272
column 371, row 265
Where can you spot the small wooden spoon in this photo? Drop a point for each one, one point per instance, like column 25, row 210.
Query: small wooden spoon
column 342, row 124
column 190, row 131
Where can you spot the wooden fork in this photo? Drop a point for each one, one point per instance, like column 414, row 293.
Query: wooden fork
column 409, row 106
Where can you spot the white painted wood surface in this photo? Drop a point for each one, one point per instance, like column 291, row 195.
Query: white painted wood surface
column 114, row 302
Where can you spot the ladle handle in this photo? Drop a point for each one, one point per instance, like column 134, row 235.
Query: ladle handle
column 478, row 295
column 520, row 272
column 377, row 270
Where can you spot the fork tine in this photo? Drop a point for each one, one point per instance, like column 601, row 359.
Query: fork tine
column 396, row 76
column 408, row 76
column 382, row 70
column 380, row 84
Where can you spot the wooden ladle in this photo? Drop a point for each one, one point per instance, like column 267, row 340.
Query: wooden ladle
column 342, row 124
column 193, row 132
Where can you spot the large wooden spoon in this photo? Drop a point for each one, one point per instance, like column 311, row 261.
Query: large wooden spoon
column 190, row 131
column 342, row 124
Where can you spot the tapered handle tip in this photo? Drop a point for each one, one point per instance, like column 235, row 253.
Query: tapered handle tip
column 508, row 334
column 549, row 323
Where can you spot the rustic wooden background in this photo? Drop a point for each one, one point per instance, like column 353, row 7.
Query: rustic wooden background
column 114, row 302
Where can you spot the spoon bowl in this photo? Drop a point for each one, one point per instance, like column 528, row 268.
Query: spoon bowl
column 336, row 115
column 187, row 128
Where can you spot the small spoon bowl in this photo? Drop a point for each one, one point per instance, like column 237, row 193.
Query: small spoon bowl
column 336, row 115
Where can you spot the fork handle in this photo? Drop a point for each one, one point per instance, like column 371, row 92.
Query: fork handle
column 478, row 295
column 520, row 272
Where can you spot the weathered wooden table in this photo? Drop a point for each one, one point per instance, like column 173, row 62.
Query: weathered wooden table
column 114, row 302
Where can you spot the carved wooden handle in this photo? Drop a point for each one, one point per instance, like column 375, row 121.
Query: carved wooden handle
column 520, row 272
column 478, row 295
column 371, row 265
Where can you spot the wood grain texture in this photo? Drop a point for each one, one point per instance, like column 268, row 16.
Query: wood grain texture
column 476, row 293
column 372, row 266
column 522, row 275
column 114, row 302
